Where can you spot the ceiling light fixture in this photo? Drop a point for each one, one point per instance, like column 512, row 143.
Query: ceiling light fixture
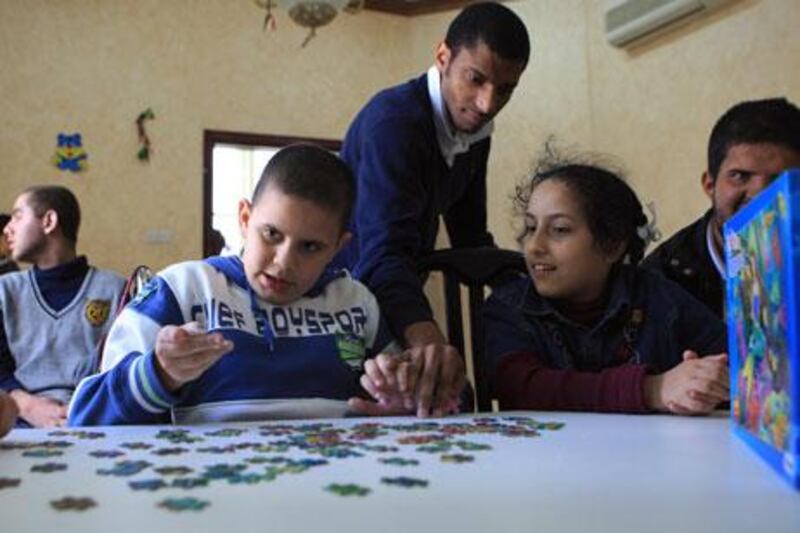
column 309, row 14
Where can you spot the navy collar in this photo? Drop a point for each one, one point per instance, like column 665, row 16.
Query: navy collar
column 72, row 270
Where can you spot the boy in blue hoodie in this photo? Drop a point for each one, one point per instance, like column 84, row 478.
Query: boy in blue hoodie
column 274, row 333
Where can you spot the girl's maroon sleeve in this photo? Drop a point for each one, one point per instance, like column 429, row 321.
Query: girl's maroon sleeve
column 523, row 382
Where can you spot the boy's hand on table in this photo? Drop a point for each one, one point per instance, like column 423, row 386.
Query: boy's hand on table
column 184, row 352
column 39, row 411
column 694, row 387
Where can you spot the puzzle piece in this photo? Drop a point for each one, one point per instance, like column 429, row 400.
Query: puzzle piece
column 348, row 489
column 106, row 454
column 125, row 468
column 147, row 484
column 69, row 503
column 42, row 453
column 89, row 435
column 169, row 451
column 457, row 458
column 226, row 432
column 183, row 504
column 405, row 482
column 47, row 468
column 136, row 445
column 398, row 461
column 9, row 482
column 178, row 436
column 190, row 482
column 173, row 470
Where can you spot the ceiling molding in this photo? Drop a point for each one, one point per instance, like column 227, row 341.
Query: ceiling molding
column 410, row 8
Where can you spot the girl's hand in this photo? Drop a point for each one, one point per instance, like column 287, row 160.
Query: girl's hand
column 694, row 387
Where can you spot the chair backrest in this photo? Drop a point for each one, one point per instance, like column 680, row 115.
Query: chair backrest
column 138, row 278
column 475, row 269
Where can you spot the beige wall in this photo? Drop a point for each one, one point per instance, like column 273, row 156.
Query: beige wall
column 653, row 105
column 91, row 66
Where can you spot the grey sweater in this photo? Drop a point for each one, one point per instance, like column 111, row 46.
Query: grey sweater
column 45, row 351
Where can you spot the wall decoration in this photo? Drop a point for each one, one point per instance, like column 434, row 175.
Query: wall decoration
column 144, row 141
column 70, row 154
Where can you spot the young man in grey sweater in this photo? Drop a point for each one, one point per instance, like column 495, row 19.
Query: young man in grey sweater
column 53, row 315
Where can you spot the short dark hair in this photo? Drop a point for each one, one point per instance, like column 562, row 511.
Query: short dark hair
column 311, row 172
column 612, row 210
column 493, row 24
column 771, row 121
column 4, row 218
column 61, row 200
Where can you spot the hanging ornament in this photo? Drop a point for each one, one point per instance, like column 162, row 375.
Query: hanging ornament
column 70, row 154
column 269, row 19
column 144, row 141
column 309, row 14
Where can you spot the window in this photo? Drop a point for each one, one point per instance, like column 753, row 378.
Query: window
column 232, row 164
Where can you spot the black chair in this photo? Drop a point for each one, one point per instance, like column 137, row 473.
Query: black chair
column 134, row 284
column 475, row 269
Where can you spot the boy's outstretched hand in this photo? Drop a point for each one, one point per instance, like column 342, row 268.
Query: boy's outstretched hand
column 694, row 387
column 184, row 352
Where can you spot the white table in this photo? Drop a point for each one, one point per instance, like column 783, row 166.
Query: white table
column 598, row 473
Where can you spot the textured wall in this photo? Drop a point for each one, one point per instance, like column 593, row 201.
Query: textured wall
column 651, row 106
column 92, row 65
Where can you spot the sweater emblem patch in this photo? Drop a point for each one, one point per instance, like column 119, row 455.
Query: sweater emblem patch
column 97, row 311
column 351, row 349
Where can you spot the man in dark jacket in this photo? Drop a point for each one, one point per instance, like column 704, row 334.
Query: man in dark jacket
column 749, row 146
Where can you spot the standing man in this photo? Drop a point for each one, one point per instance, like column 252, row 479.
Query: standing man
column 419, row 151
column 749, row 146
column 53, row 315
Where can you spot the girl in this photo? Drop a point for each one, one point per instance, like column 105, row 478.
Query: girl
column 588, row 330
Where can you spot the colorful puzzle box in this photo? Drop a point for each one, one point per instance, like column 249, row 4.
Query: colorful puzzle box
column 762, row 253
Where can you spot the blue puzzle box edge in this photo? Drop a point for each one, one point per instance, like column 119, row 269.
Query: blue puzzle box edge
column 785, row 462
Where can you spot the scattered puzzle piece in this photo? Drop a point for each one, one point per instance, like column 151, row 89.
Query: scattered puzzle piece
column 349, row 489
column 147, row 484
column 178, row 436
column 106, row 454
column 9, row 482
column 398, row 461
column 405, row 482
column 169, row 451
column 42, row 453
column 226, row 432
column 124, row 468
column 190, row 482
column 136, row 445
column 173, row 470
column 47, row 468
column 183, row 504
column 68, row 503
column 457, row 458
